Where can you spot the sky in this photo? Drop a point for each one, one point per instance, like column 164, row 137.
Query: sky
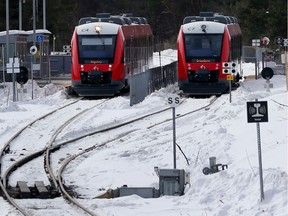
column 220, row 131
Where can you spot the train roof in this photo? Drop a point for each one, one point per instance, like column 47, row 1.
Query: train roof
column 210, row 16
column 90, row 28
column 201, row 27
column 123, row 19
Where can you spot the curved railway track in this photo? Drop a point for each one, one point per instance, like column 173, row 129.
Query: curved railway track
column 107, row 194
column 4, row 184
column 57, row 182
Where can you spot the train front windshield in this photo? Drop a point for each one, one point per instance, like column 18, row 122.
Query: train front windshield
column 199, row 47
column 96, row 49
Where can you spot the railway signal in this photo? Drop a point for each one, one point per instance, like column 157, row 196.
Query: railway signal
column 33, row 50
column 265, row 41
column 256, row 42
column 281, row 41
column 22, row 76
column 258, row 112
column 267, row 73
column 13, row 67
column 67, row 49
column 229, row 67
column 173, row 101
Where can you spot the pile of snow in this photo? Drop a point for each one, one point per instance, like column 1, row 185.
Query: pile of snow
column 221, row 131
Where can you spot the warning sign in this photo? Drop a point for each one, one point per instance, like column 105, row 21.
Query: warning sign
column 257, row 111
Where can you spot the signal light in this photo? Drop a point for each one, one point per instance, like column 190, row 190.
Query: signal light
column 229, row 67
column 225, row 64
column 226, row 71
column 234, row 67
column 265, row 41
column 22, row 76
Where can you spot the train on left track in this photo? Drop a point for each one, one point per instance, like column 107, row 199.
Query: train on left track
column 106, row 50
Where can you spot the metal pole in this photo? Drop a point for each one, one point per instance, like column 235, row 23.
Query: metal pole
column 230, row 90
column 40, row 52
column 49, row 71
column 54, row 38
column 20, row 14
column 34, row 23
column 260, row 161
column 286, row 67
column 32, row 75
column 44, row 14
column 7, row 30
column 174, row 137
column 160, row 59
column 3, row 64
column 256, row 69
column 34, row 41
column 13, row 80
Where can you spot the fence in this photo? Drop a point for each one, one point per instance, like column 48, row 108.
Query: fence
column 145, row 83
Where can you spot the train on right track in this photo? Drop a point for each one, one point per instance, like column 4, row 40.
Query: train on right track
column 204, row 44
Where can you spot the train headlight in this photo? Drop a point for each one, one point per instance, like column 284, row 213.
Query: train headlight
column 82, row 67
column 109, row 67
column 98, row 29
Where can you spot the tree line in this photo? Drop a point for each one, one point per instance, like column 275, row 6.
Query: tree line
column 257, row 18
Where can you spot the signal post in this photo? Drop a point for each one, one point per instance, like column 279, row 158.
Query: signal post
column 229, row 68
column 173, row 101
column 258, row 112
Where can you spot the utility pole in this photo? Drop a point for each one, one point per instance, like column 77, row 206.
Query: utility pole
column 34, row 43
column 20, row 14
column 44, row 14
column 7, row 30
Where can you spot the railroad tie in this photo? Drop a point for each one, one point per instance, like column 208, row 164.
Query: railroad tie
column 43, row 191
column 24, row 189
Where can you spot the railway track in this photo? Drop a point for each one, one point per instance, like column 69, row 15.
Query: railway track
column 107, row 194
column 22, row 190
column 57, row 185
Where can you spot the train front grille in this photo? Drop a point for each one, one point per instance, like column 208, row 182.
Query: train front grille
column 96, row 77
column 203, row 76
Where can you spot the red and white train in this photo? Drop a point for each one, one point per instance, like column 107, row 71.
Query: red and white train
column 106, row 50
column 204, row 43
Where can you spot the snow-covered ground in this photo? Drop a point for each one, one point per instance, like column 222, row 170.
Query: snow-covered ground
column 221, row 131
